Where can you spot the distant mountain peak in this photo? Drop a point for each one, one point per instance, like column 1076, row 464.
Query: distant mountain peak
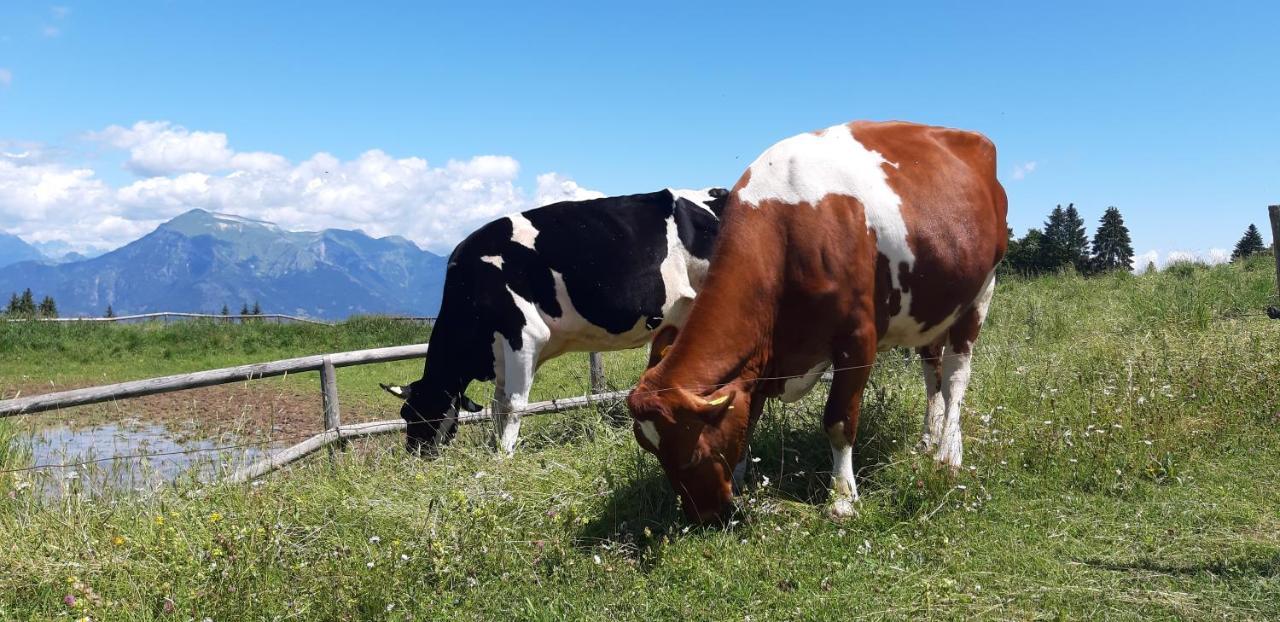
column 201, row 260
column 198, row 221
column 14, row 249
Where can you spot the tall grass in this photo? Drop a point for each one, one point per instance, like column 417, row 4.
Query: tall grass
column 1122, row 462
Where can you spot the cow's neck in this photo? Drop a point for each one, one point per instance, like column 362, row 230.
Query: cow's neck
column 727, row 338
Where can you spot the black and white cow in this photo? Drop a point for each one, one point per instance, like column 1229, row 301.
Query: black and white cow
column 596, row 275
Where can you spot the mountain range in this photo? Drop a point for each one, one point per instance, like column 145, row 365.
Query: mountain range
column 200, row 261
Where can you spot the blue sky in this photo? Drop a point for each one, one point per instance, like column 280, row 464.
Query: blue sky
column 1170, row 111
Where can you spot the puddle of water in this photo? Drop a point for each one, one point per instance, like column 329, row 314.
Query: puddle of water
column 159, row 457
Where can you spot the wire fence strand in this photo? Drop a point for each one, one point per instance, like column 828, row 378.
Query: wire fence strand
column 979, row 350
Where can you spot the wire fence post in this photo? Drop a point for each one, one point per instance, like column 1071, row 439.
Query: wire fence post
column 329, row 390
column 596, row 361
column 1274, row 212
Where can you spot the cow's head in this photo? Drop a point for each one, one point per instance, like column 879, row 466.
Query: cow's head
column 431, row 415
column 698, row 440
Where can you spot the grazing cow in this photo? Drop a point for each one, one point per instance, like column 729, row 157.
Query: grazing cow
column 835, row 244
column 594, row 275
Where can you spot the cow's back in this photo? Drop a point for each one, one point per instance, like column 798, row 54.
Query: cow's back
column 599, row 274
column 895, row 221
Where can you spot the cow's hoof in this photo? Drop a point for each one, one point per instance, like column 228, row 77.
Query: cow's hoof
column 842, row 508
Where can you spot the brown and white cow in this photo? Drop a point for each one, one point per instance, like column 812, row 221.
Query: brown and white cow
column 836, row 244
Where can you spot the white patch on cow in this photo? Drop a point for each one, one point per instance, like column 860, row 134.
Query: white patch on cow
column 795, row 388
column 513, row 383
column 650, row 432
column 906, row 331
column 675, row 268
column 397, row 391
column 493, row 259
column 702, row 198
column 522, row 231
column 808, row 167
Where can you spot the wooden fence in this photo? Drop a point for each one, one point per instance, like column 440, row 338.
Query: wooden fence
column 334, row 432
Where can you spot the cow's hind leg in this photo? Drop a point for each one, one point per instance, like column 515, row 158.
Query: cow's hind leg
column 935, row 403
column 852, row 360
column 956, row 368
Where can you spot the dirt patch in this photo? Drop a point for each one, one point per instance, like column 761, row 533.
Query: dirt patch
column 255, row 410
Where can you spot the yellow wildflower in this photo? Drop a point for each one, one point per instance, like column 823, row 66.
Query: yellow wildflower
column 159, row 520
column 118, row 540
column 215, row 517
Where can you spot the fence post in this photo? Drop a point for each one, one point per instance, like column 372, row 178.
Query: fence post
column 1274, row 212
column 597, row 372
column 329, row 390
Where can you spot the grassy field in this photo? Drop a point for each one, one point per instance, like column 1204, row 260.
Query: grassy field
column 1122, row 450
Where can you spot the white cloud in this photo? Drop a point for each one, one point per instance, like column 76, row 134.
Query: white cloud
column 1161, row 260
column 161, row 148
column 553, row 187
column 6, row 77
column 1021, row 171
column 50, row 31
column 60, row 12
column 434, row 205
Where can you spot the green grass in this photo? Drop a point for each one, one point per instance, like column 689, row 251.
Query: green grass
column 1122, row 462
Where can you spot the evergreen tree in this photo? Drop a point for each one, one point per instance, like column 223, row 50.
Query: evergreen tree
column 48, row 308
column 1065, row 242
column 27, row 304
column 256, row 309
column 225, row 311
column 1250, row 244
column 1112, row 249
column 110, row 312
column 14, row 304
column 244, row 309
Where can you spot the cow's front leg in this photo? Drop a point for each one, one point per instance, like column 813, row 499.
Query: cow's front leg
column 518, row 369
column 853, row 359
column 740, row 470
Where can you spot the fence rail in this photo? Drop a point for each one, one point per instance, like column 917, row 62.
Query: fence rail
column 334, row 432
column 179, row 382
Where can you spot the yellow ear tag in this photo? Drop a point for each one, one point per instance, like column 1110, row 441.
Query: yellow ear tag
column 664, row 351
column 718, row 401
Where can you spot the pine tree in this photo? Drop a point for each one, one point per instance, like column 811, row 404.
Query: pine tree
column 225, row 311
column 48, row 308
column 1065, row 242
column 27, row 304
column 110, row 312
column 256, row 309
column 14, row 304
column 244, row 309
column 1250, row 244
column 1112, row 249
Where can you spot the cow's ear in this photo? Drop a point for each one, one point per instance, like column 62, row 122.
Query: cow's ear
column 715, row 407
column 718, row 193
column 401, row 392
column 466, row 404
